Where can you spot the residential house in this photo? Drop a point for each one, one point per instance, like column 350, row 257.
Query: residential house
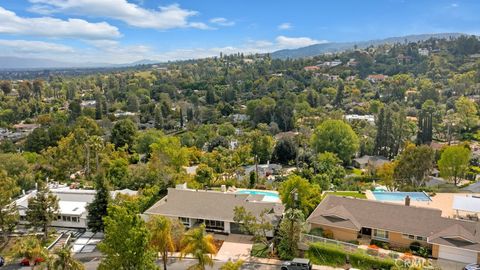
column 366, row 161
column 350, row 219
column 213, row 208
column 423, row 51
column 72, row 205
column 374, row 78
column 264, row 170
column 311, row 68
column 353, row 117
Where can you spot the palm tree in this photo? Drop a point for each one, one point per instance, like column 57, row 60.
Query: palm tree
column 62, row 259
column 231, row 265
column 31, row 249
column 161, row 239
column 200, row 245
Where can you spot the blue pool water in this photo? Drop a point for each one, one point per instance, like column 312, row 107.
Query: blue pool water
column 400, row 196
column 267, row 194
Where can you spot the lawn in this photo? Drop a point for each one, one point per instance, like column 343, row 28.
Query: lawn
column 354, row 194
column 259, row 250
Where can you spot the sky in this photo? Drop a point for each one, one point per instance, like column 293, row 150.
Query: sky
column 124, row 31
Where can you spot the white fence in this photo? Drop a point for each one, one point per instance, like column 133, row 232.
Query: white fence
column 308, row 239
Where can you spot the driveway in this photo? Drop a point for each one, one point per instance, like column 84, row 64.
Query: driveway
column 235, row 247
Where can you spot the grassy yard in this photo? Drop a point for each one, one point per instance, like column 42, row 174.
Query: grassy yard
column 354, row 194
column 259, row 250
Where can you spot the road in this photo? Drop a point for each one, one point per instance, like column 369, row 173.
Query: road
column 184, row 264
column 92, row 264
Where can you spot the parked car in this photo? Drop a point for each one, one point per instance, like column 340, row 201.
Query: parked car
column 297, row 264
column 473, row 266
column 26, row 262
column 2, row 261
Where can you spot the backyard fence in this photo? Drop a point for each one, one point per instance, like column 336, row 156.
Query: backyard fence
column 309, row 239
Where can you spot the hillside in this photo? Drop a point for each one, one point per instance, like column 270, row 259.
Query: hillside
column 317, row 49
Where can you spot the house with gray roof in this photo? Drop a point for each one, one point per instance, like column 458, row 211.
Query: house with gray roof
column 213, row 208
column 350, row 219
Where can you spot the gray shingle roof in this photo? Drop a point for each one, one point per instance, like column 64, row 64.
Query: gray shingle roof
column 392, row 217
column 210, row 205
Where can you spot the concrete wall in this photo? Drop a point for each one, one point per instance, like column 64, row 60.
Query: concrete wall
column 339, row 233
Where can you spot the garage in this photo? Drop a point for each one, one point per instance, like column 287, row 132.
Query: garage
column 456, row 254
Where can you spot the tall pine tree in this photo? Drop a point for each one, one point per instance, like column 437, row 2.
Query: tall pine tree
column 98, row 208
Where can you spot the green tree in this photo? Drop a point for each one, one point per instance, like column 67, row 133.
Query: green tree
column 63, row 259
column 467, row 113
column 31, row 249
column 258, row 226
column 262, row 147
column 98, row 208
column 201, row 246
column 285, row 150
column 329, row 167
column 454, row 162
column 126, row 243
column 8, row 210
column 204, row 174
column 296, row 192
column 132, row 103
column 289, row 234
column 118, row 173
column 337, row 137
column 414, row 165
column 231, row 265
column 42, row 209
column 161, row 239
column 123, row 133
column 6, row 87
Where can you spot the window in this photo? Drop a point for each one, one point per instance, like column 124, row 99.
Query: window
column 421, row 238
column 381, row 234
column 185, row 221
column 75, row 219
column 214, row 224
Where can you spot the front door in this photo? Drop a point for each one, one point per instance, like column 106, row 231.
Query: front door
column 366, row 231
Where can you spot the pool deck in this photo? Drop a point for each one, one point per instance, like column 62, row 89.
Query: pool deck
column 442, row 201
column 369, row 195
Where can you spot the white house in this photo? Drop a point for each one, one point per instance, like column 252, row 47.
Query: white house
column 72, row 205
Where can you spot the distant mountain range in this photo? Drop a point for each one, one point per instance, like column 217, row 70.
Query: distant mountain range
column 332, row 47
column 21, row 63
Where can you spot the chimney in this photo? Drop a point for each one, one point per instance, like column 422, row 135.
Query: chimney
column 407, row 200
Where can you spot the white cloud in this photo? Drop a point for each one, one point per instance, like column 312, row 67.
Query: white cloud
column 454, row 5
column 285, row 26
column 165, row 17
column 33, row 47
column 10, row 23
column 296, row 42
column 222, row 21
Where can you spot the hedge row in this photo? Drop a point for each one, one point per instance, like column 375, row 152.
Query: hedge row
column 324, row 254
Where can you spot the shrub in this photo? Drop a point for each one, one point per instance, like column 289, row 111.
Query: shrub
column 415, row 246
column 380, row 244
column 316, row 232
column 336, row 256
column 328, row 234
column 260, row 250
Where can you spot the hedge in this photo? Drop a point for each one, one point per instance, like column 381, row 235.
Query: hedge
column 325, row 254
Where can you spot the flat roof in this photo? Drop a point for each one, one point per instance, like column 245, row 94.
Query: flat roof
column 467, row 204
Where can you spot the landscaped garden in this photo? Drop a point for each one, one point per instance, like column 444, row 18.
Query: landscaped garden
column 354, row 194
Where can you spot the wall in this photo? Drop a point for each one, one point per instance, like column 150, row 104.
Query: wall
column 435, row 249
column 339, row 233
column 396, row 239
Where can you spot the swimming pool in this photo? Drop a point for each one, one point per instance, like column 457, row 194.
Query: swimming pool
column 400, row 196
column 268, row 195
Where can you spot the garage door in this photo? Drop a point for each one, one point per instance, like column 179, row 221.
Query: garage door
column 458, row 255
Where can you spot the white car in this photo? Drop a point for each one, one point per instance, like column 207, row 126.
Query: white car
column 473, row 266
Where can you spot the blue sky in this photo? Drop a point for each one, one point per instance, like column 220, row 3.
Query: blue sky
column 121, row 31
